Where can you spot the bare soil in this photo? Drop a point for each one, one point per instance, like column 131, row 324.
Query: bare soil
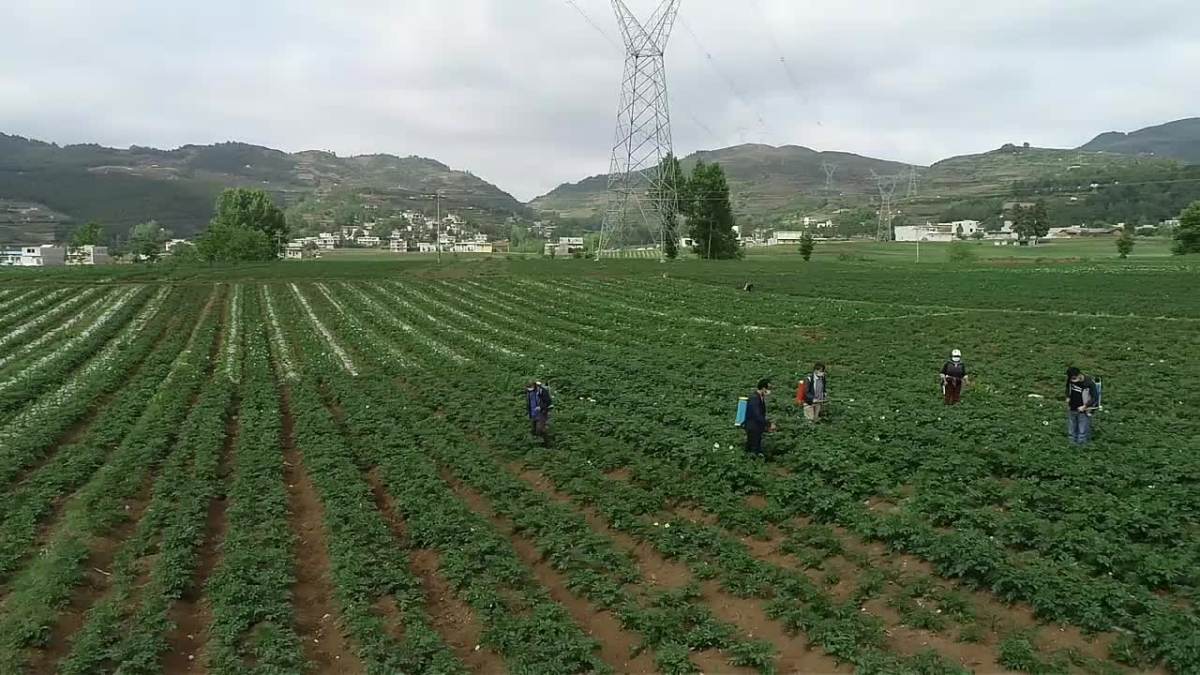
column 316, row 614
column 191, row 615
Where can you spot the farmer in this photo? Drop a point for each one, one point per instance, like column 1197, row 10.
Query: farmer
column 537, row 399
column 816, row 393
column 756, row 423
column 1082, row 397
column 954, row 376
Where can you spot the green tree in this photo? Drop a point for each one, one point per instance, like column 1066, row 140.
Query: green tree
column 1187, row 234
column 855, row 222
column 710, row 215
column 1125, row 243
column 806, row 246
column 672, row 191
column 247, row 226
column 146, row 240
column 224, row 243
column 90, row 234
column 1031, row 222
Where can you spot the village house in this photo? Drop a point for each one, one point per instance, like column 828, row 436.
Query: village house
column 45, row 255
column 88, row 255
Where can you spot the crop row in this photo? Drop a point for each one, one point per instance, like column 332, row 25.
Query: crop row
column 670, row 622
column 71, row 464
column 103, row 506
column 58, row 363
column 800, row 592
column 373, row 586
column 29, row 433
column 33, row 327
column 258, row 549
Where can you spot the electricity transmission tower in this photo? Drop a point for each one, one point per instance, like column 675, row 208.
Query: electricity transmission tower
column 887, row 191
column 640, row 198
column 830, row 169
column 912, row 183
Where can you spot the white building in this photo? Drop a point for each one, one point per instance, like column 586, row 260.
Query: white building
column 959, row 229
column 565, row 246
column 785, row 237
column 370, row 242
column 922, row 233
column 398, row 244
column 472, row 247
column 46, row 255
column 172, row 243
column 426, row 247
column 329, row 240
column 89, row 255
column 297, row 250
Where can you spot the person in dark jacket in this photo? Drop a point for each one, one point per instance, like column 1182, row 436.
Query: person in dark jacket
column 756, row 423
column 816, row 393
column 954, row 377
column 1082, row 398
column 539, row 405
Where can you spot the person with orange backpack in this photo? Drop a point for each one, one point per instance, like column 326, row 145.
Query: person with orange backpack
column 813, row 393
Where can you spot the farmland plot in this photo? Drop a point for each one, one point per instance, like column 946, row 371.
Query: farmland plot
column 338, row 475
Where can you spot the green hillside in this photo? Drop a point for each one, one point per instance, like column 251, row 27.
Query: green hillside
column 1177, row 140
column 66, row 185
column 765, row 181
column 772, row 187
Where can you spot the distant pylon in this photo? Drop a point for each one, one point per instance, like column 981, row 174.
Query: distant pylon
column 887, row 191
column 639, row 196
column 830, row 169
column 912, row 183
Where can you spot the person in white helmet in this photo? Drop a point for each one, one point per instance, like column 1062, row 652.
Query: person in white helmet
column 954, row 376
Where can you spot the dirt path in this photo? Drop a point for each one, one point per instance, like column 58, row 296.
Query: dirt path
column 191, row 614
column 316, row 614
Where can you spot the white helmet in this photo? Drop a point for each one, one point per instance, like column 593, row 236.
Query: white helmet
column 956, row 355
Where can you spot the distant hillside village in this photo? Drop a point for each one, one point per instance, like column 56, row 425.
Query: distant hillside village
column 453, row 234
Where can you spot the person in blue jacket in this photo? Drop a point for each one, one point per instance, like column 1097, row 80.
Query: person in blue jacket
column 539, row 405
column 756, row 423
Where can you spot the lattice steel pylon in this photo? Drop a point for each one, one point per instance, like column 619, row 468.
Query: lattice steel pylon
column 887, row 192
column 640, row 198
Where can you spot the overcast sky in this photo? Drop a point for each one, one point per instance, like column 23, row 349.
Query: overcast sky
column 523, row 92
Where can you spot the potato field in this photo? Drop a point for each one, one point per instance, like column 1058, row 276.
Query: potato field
column 333, row 472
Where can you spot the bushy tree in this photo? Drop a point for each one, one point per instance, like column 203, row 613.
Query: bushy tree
column 672, row 190
column 89, row 234
column 806, row 246
column 146, row 240
column 1125, row 243
column 710, row 214
column 1031, row 222
column 247, row 226
column 1187, row 234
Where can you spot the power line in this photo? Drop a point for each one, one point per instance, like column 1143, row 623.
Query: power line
column 593, row 24
column 725, row 78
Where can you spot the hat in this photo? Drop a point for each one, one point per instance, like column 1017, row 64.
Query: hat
column 956, row 354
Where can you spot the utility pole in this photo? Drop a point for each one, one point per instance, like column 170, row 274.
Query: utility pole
column 638, row 192
column 438, row 245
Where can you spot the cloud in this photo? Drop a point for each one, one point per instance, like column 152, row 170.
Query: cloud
column 523, row 92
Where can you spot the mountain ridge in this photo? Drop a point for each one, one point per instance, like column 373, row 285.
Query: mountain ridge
column 74, row 183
